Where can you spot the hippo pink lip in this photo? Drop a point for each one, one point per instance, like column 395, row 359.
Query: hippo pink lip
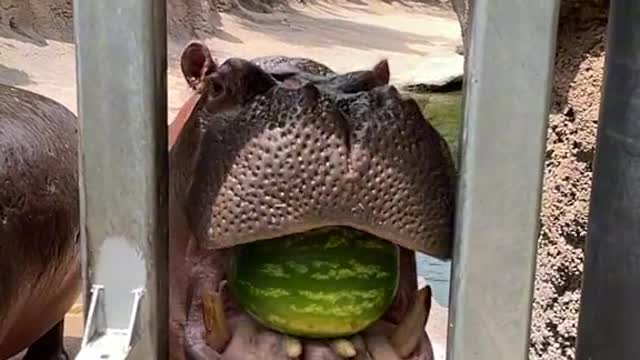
column 209, row 279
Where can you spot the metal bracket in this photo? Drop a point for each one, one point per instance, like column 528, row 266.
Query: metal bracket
column 101, row 342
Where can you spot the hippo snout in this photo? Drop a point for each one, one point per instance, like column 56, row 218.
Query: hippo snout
column 292, row 159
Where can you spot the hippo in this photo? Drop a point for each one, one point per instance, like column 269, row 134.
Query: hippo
column 262, row 154
column 39, row 223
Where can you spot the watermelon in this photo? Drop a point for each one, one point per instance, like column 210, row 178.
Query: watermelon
column 325, row 283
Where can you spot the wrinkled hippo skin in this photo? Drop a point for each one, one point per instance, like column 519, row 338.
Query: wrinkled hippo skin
column 39, row 223
column 268, row 150
column 279, row 66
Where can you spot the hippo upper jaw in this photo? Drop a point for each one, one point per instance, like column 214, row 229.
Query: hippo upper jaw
column 291, row 160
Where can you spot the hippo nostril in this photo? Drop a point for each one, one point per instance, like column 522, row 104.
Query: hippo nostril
column 217, row 87
column 310, row 95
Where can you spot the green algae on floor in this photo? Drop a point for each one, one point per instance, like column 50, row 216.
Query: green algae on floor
column 444, row 112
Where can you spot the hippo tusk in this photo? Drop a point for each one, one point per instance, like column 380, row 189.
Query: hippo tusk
column 406, row 336
column 379, row 347
column 343, row 347
column 293, row 347
column 216, row 329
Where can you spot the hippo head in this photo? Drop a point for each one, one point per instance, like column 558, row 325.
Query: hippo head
column 266, row 154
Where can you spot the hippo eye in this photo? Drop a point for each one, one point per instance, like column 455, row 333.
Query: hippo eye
column 217, row 87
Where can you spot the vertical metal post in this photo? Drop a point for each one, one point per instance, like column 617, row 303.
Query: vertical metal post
column 508, row 85
column 609, row 324
column 121, row 66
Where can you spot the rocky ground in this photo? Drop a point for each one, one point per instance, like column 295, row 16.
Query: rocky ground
column 567, row 183
column 568, row 169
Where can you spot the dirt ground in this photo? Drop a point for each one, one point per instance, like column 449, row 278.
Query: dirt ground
column 567, row 182
column 344, row 34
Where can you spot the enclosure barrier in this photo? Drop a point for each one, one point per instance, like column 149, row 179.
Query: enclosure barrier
column 506, row 107
column 121, row 62
column 121, row 57
column 609, row 324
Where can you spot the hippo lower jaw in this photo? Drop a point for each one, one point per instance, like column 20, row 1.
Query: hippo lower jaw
column 218, row 329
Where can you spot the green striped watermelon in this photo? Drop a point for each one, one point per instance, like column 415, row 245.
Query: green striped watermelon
column 324, row 283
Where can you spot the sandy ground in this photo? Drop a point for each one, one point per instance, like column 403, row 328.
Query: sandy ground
column 345, row 35
column 567, row 184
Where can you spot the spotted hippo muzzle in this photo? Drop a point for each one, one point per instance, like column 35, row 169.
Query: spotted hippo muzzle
column 267, row 155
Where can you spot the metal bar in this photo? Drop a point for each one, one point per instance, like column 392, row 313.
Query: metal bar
column 508, row 86
column 121, row 67
column 609, row 321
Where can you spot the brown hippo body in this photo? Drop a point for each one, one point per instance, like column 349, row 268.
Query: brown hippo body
column 39, row 223
column 264, row 153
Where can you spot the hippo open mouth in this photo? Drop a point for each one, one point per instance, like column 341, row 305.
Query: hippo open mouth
column 271, row 152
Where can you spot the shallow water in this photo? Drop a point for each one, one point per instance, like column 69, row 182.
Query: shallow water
column 437, row 274
column 444, row 113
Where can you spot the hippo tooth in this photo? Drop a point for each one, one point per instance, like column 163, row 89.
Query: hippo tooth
column 215, row 322
column 406, row 336
column 316, row 350
column 294, row 347
column 343, row 348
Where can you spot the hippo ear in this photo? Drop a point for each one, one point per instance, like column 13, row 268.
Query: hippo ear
column 381, row 72
column 196, row 63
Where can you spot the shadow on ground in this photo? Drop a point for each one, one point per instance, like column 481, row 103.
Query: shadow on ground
column 14, row 77
column 71, row 344
column 327, row 32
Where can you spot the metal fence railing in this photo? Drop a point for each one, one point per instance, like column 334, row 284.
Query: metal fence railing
column 609, row 324
column 122, row 96
column 508, row 82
